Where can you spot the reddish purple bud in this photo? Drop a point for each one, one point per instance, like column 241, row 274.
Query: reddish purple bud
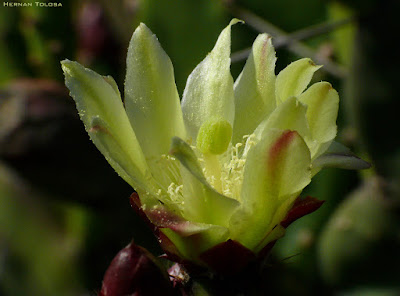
column 301, row 207
column 134, row 271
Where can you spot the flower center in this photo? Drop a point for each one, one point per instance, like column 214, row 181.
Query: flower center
column 225, row 172
column 168, row 179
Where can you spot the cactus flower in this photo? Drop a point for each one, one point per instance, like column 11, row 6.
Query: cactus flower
column 227, row 163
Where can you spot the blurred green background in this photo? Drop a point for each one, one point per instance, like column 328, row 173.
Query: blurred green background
column 64, row 213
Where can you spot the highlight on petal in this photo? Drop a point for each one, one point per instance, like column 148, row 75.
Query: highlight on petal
column 151, row 98
column 276, row 170
column 293, row 80
column 209, row 89
column 101, row 110
column 255, row 89
column 339, row 156
column 322, row 109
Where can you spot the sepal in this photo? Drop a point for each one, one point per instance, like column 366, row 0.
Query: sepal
column 339, row 156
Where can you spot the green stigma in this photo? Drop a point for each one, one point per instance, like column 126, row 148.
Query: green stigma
column 214, row 136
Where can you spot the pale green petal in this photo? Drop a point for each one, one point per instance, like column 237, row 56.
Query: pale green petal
column 290, row 115
column 185, row 154
column 101, row 110
column 293, row 80
column 275, row 230
column 202, row 203
column 255, row 89
column 339, row 156
column 277, row 169
column 209, row 89
column 205, row 205
column 191, row 238
column 151, row 98
column 322, row 109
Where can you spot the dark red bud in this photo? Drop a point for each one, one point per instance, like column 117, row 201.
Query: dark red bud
column 134, row 271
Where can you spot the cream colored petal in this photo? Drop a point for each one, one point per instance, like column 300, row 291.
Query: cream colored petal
column 151, row 98
column 277, row 169
column 293, row 80
column 255, row 89
column 209, row 89
column 322, row 109
column 101, row 110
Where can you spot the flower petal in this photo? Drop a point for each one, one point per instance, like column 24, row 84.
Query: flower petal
column 290, row 115
column 190, row 247
column 101, row 110
column 293, row 80
column 151, row 98
column 255, row 89
column 276, row 170
column 209, row 89
column 185, row 154
column 322, row 109
column 184, row 238
column 202, row 202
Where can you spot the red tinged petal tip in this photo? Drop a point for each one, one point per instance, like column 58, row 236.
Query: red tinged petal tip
column 301, row 207
column 263, row 63
column 279, row 147
column 134, row 271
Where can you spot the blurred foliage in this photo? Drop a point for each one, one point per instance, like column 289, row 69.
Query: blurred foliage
column 64, row 213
